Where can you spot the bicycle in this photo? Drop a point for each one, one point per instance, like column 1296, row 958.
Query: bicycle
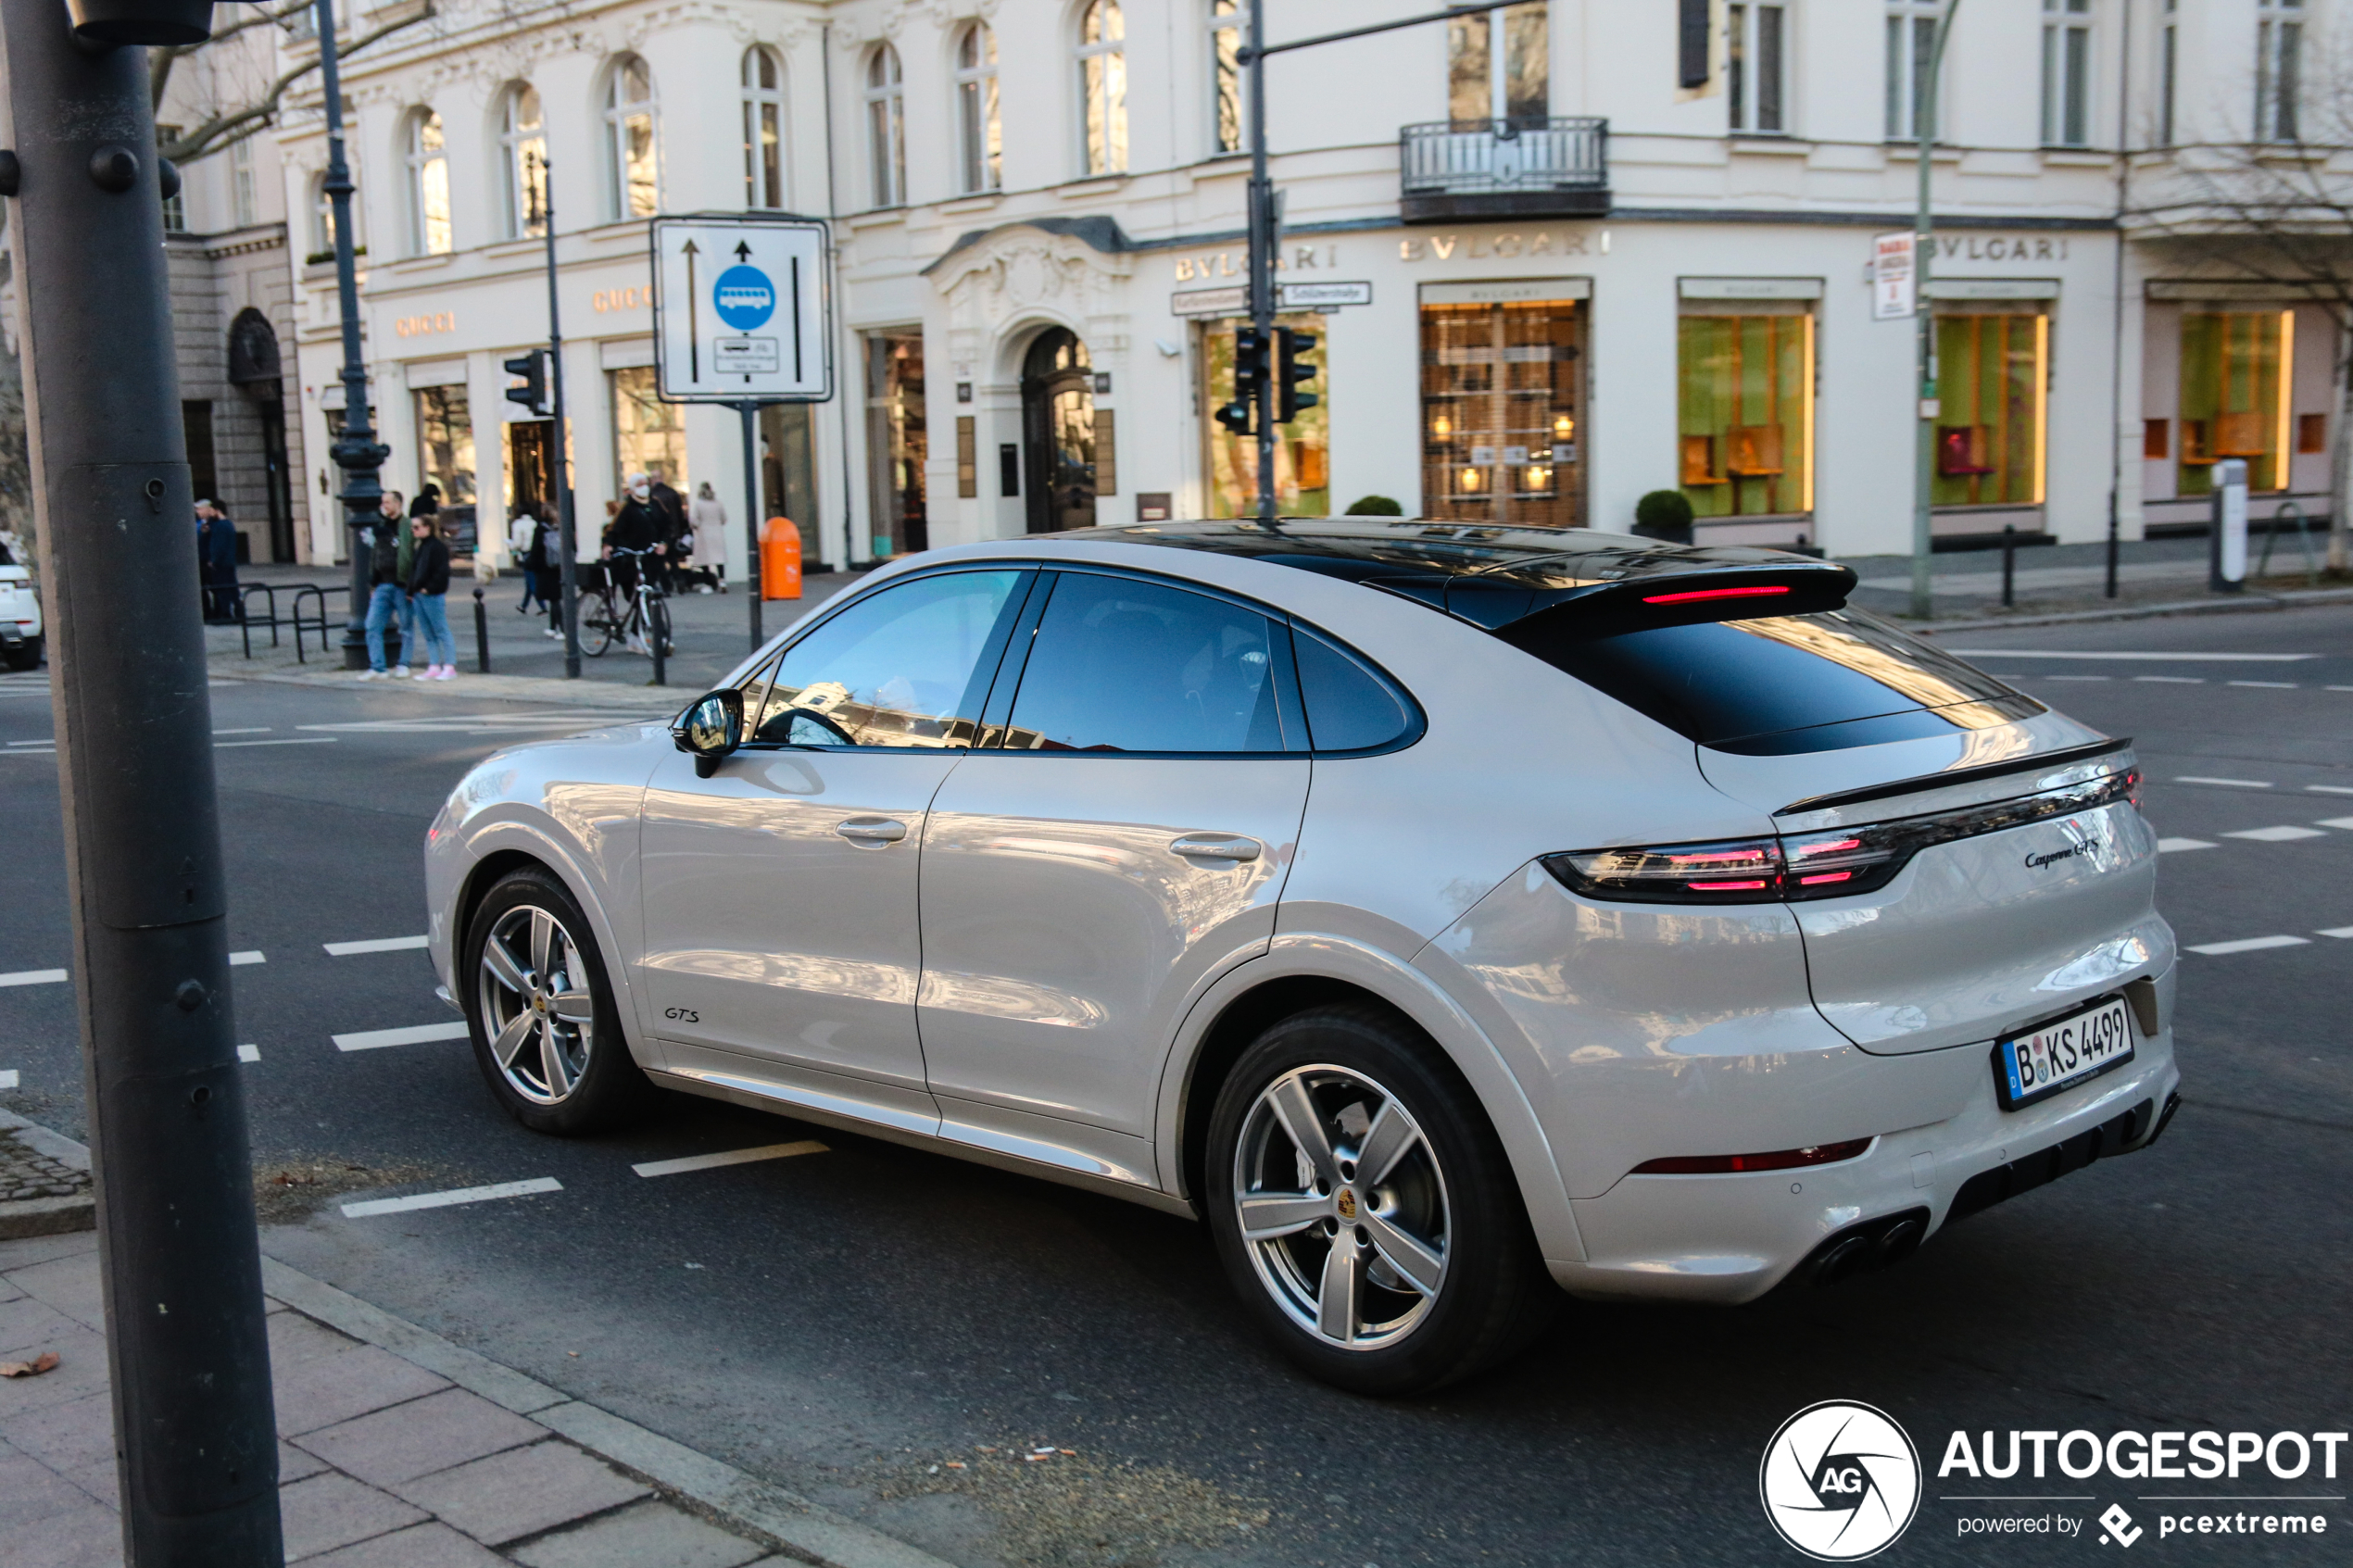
column 647, row 614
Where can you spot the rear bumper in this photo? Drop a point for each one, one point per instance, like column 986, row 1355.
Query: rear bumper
column 1731, row 1239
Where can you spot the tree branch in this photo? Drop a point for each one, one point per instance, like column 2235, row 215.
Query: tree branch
column 233, row 126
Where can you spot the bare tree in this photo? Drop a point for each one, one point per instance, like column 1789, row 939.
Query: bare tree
column 2278, row 209
column 247, row 112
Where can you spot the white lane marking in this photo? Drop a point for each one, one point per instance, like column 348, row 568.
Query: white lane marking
column 2342, row 933
column 2231, row 783
column 248, row 730
column 47, row 748
column 375, row 945
column 248, row 1053
column 415, row 1034
column 34, row 977
column 2329, row 789
column 2077, row 677
column 2168, row 846
column 2172, row 680
column 306, row 740
column 2337, row 688
column 2054, row 653
column 2269, row 685
column 8, row 1078
column 32, row 742
column 251, row 956
column 2276, row 835
column 455, row 1195
column 729, row 1157
column 2346, row 823
column 2251, row 945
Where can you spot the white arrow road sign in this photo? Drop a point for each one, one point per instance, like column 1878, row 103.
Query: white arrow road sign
column 741, row 311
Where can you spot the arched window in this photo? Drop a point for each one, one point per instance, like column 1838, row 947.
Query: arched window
column 428, row 187
column 764, row 81
column 979, row 141
column 1102, row 86
column 1226, row 76
column 886, row 126
column 523, row 152
column 632, row 187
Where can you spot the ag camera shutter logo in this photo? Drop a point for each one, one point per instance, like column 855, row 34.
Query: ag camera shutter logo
column 1841, row 1481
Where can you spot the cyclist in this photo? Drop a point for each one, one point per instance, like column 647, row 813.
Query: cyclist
column 637, row 531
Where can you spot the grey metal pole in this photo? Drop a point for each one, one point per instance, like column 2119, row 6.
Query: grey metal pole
column 568, row 570
column 356, row 451
column 196, row 1457
column 1262, row 260
column 756, row 582
column 1924, row 329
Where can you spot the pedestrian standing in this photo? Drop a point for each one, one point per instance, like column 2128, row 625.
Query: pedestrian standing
column 217, row 541
column 706, row 518
column 387, row 592
column 428, row 587
column 523, row 544
column 203, row 560
column 551, row 567
column 404, row 551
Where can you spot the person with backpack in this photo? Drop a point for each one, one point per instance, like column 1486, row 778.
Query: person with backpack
column 428, row 591
column 388, row 596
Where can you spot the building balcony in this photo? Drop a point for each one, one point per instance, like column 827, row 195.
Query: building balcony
column 1453, row 170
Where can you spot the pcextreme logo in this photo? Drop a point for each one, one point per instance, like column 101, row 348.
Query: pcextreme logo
column 1841, row 1481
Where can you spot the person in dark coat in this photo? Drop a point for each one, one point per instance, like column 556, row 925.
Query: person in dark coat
column 428, row 588
column 217, row 546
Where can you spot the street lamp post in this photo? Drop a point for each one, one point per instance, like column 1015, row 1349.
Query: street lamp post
column 356, row 450
column 1924, row 324
column 543, row 210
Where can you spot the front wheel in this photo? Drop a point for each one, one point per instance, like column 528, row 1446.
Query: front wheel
column 540, row 1010
column 1363, row 1208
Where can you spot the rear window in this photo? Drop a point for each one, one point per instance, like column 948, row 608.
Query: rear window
column 1786, row 683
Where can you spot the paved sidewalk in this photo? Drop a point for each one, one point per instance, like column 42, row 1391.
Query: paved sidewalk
column 396, row 1449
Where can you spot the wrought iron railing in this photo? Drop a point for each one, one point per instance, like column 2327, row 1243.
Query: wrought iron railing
column 1503, row 156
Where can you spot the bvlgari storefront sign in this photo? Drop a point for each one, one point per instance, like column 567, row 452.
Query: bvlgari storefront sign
column 1510, row 246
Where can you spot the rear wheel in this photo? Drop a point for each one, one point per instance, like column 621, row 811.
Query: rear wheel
column 25, row 655
column 544, row 1031
column 1364, row 1209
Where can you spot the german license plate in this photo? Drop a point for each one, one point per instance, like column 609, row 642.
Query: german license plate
column 2055, row 1056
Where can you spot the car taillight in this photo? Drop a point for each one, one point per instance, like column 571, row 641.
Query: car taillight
column 1831, row 864
column 1731, row 1165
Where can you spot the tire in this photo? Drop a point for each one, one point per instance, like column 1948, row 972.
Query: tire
column 26, row 654
column 1442, row 1272
column 567, row 1069
column 606, row 634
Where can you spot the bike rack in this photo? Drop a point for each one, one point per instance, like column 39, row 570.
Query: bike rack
column 248, row 621
column 309, row 589
column 2303, row 537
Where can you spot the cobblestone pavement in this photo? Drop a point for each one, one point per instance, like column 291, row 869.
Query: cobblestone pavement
column 27, row 1174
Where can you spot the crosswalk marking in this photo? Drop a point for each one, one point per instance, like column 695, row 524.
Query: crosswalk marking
column 248, row 1053
column 2343, row 823
column 455, row 1195
column 2169, row 846
column 415, row 1034
column 253, row 956
column 2281, row 834
column 376, row 944
column 2250, row 944
column 34, row 977
column 2342, row 933
column 727, row 1157
column 7, row 1077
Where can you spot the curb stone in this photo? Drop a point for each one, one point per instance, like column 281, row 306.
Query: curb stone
column 2290, row 598
column 46, row 1216
column 807, row 1531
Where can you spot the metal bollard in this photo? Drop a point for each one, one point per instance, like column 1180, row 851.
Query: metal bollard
column 481, row 636
column 658, row 624
column 2010, row 566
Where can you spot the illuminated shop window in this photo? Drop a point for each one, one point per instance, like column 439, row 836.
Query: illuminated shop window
column 1745, row 422
column 2233, row 366
column 1991, row 371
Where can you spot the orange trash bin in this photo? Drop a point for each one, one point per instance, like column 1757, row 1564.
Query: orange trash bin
column 779, row 559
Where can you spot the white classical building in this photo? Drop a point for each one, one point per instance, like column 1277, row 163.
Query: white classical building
column 1595, row 249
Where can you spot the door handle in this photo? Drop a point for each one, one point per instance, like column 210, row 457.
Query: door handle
column 872, row 830
column 1216, row 847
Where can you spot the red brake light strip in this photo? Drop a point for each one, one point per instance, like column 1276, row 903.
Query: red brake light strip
column 1759, row 591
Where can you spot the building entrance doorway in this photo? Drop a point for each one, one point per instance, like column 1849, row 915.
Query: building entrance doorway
column 530, row 462
column 1058, row 432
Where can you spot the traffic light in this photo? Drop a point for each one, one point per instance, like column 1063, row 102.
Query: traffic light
column 532, row 368
column 1250, row 370
column 1291, row 369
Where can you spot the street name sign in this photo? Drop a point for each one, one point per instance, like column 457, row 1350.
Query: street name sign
column 1234, row 300
column 740, row 309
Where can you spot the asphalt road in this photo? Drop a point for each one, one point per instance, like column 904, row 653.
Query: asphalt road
column 846, row 1321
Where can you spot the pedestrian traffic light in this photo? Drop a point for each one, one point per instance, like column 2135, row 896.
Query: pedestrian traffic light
column 1290, row 368
column 532, row 368
column 1250, row 370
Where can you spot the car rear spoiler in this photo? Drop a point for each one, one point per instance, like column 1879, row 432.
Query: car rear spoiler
column 2036, row 763
column 1644, row 600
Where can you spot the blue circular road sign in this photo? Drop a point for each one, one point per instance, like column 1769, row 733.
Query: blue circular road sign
column 745, row 297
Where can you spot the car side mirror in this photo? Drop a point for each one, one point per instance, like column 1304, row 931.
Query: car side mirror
column 710, row 729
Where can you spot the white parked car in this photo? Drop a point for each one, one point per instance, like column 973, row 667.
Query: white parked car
column 20, row 631
column 1442, row 913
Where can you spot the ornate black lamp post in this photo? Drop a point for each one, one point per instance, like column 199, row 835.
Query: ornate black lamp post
column 357, row 451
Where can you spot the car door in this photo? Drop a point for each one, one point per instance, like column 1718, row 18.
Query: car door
column 1121, row 838
column 780, row 911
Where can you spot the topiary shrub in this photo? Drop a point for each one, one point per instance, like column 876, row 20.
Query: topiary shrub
column 1374, row 505
column 1665, row 515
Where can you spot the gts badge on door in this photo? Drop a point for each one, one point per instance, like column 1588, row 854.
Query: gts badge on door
column 682, row 1015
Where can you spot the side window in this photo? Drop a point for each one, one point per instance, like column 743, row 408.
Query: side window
column 1119, row 665
column 903, row 668
column 1348, row 707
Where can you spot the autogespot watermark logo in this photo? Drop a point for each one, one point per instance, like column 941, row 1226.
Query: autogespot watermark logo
column 1840, row 1481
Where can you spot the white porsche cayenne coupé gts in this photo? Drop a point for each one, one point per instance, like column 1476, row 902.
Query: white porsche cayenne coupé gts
column 1442, row 913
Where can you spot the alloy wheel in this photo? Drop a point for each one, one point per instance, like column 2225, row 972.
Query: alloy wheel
column 1342, row 1207
column 537, row 1009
